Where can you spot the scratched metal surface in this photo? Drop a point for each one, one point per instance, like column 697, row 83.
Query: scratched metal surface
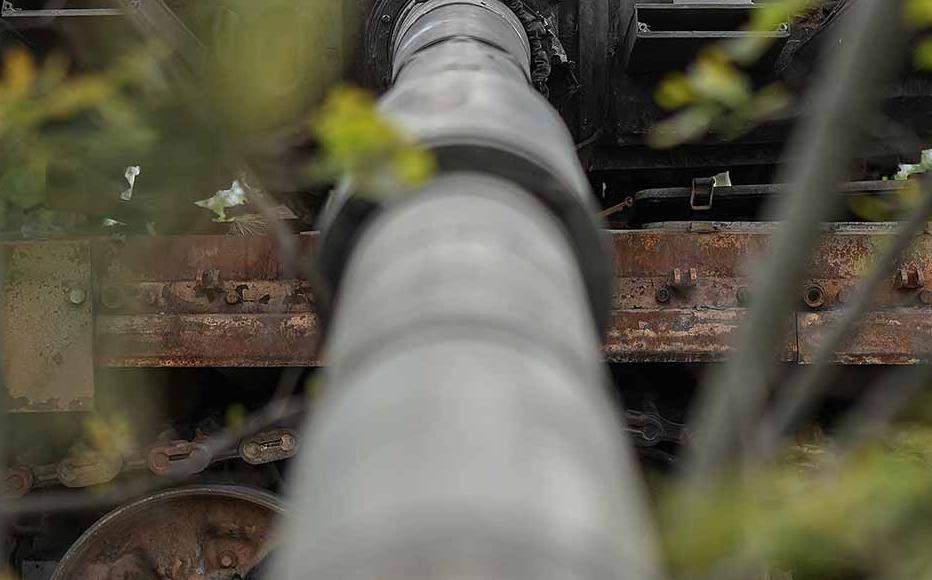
column 679, row 295
column 47, row 336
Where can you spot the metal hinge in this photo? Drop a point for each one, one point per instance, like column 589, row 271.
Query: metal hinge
column 703, row 190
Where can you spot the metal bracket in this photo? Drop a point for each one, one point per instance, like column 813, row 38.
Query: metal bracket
column 703, row 190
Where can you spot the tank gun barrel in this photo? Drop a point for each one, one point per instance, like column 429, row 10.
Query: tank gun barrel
column 465, row 431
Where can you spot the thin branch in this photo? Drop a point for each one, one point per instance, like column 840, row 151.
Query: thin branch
column 799, row 397
column 849, row 86
column 883, row 403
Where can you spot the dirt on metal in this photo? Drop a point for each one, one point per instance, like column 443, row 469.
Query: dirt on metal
column 205, row 532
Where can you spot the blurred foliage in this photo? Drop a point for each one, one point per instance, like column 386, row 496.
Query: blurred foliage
column 110, row 436
column 713, row 95
column 716, row 94
column 266, row 63
column 820, row 513
column 900, row 202
column 361, row 145
column 919, row 15
column 886, row 208
column 47, row 117
column 235, row 416
column 194, row 118
column 908, row 170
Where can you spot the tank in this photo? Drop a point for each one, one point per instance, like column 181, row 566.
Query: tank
column 176, row 372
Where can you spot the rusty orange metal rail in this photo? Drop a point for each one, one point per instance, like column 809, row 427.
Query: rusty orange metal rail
column 191, row 301
column 679, row 296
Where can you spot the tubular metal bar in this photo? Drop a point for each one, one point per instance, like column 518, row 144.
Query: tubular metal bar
column 466, row 431
column 462, row 88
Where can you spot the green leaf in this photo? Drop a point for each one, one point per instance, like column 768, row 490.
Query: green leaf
column 923, row 55
column 687, row 125
column 24, row 185
column 358, row 143
column 223, row 200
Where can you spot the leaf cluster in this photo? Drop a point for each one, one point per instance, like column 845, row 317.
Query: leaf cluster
column 818, row 514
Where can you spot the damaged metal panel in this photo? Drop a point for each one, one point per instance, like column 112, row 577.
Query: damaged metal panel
column 179, row 258
column 208, row 340
column 894, row 337
column 679, row 335
column 680, row 292
column 679, row 295
column 197, row 301
column 47, row 335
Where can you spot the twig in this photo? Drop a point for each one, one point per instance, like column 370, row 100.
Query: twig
column 883, row 403
column 848, row 88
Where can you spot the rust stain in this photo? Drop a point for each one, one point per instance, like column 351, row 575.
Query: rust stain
column 201, row 536
column 677, row 335
column 47, row 327
column 208, row 340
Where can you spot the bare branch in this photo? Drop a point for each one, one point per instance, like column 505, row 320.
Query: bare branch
column 852, row 78
column 885, row 401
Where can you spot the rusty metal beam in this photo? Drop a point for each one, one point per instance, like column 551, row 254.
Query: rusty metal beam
column 48, row 327
column 679, row 296
column 188, row 301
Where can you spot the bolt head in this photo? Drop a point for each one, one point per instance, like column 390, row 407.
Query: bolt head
column 814, row 296
column 386, row 18
column 17, row 482
column 926, row 297
column 288, row 442
column 743, row 295
column 66, row 473
column 232, row 297
column 159, row 462
column 227, row 560
column 77, row 296
column 663, row 295
column 251, row 450
column 650, row 432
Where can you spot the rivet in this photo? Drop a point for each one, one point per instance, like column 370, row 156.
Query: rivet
column 159, row 462
column 926, row 297
column 814, row 296
column 251, row 450
column 227, row 560
column 77, row 296
column 66, row 473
